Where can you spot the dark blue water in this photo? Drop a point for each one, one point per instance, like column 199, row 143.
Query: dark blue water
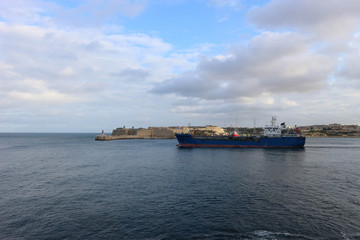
column 68, row 186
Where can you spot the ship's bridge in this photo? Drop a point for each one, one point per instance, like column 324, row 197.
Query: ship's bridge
column 273, row 130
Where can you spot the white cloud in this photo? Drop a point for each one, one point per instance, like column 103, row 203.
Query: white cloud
column 73, row 63
column 271, row 62
column 349, row 71
column 332, row 21
column 308, row 55
column 329, row 18
column 21, row 11
column 290, row 103
column 68, row 71
column 5, row 66
column 268, row 101
column 38, row 91
column 47, row 70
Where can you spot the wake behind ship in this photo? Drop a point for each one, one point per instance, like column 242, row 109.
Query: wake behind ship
column 273, row 137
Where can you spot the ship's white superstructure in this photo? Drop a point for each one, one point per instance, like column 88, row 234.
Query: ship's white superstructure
column 272, row 130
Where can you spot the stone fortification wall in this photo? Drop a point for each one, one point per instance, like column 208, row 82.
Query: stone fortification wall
column 155, row 133
column 163, row 133
column 119, row 131
column 144, row 133
column 166, row 132
column 124, row 131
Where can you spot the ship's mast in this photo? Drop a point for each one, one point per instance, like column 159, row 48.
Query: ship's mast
column 254, row 125
column 273, row 121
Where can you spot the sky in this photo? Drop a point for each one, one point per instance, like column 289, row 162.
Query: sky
column 91, row 65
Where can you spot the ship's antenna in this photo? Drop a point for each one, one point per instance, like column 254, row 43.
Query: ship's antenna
column 236, row 120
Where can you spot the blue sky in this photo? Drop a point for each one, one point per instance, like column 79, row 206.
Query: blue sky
column 190, row 23
column 84, row 66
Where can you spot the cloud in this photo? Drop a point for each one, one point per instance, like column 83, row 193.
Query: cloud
column 38, row 91
column 301, row 62
column 235, row 4
column 132, row 75
column 80, row 13
column 349, row 72
column 50, row 69
column 290, row 103
column 186, row 84
column 332, row 21
column 22, row 11
column 76, row 61
column 270, row 63
column 68, row 72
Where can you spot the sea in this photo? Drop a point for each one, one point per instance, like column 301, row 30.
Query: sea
column 69, row 186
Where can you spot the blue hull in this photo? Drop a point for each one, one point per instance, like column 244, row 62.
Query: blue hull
column 188, row 141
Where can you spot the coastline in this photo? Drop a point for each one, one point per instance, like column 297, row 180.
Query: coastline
column 313, row 131
column 126, row 137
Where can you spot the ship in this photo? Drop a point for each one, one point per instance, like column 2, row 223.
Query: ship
column 273, row 137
